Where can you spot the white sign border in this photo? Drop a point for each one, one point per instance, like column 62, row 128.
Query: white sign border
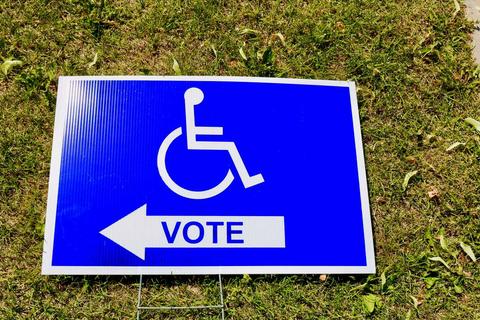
column 60, row 118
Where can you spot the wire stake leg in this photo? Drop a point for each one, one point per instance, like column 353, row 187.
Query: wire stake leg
column 220, row 306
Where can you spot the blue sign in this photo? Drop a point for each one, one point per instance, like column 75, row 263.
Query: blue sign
column 207, row 175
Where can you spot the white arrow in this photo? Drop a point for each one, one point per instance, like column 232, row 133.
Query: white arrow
column 137, row 231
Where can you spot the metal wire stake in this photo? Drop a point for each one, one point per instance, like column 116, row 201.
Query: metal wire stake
column 221, row 296
column 221, row 306
column 139, row 297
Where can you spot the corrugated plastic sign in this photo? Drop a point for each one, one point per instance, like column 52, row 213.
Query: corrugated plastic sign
column 207, row 175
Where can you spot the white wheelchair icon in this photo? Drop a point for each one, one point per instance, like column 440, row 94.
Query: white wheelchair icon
column 193, row 97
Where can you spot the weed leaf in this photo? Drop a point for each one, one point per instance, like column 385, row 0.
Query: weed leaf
column 249, row 31
column 369, row 302
column 246, row 278
column 454, row 146
column 214, row 50
column 9, row 64
column 281, row 38
column 457, row 8
column 468, row 250
column 457, row 289
column 359, row 287
column 267, row 56
column 474, row 123
column 383, row 279
column 438, row 259
column 430, row 282
column 242, row 53
column 416, row 303
column 407, row 178
column 443, row 243
column 176, row 67
column 91, row 64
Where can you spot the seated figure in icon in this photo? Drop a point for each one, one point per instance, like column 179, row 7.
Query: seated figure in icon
column 193, row 97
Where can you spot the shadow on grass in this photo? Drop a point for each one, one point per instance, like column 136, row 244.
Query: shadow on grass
column 168, row 281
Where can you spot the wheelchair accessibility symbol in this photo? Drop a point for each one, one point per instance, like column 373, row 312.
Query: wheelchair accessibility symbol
column 194, row 97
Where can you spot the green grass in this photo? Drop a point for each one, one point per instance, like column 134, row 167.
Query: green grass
column 417, row 82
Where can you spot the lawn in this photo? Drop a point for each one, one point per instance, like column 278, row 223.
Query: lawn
column 417, row 82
